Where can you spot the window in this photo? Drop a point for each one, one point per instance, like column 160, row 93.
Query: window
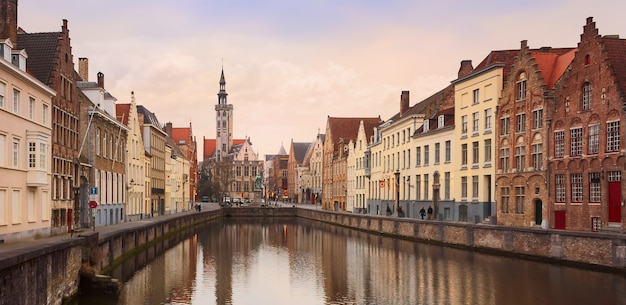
column 577, row 187
column 537, row 156
column 98, row 141
column 448, row 150
column 16, row 152
column 476, row 95
column 426, row 187
column 3, row 139
column 475, row 153
column 612, row 136
column 488, row 151
column 475, row 187
column 488, row 117
column 446, row 187
column 560, row 188
column 519, row 199
column 521, row 123
column 426, row 154
column 16, row 101
column 464, row 124
column 44, row 115
column 475, row 122
column 538, row 119
column 408, row 161
column 521, row 87
column 32, row 154
column 238, row 171
column 594, row 139
column 246, row 171
column 437, row 152
column 418, row 156
column 426, row 125
column 520, row 158
column 586, row 101
column 104, row 144
column 505, row 125
column 464, row 188
column 594, row 187
column 576, row 135
column 504, row 159
column 464, row 154
column 559, row 144
column 418, row 187
column 31, row 108
column 2, row 90
column 504, row 199
column 440, row 121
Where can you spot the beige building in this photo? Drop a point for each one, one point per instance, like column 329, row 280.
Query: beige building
column 137, row 197
column 313, row 160
column 154, row 145
column 477, row 92
column 25, row 149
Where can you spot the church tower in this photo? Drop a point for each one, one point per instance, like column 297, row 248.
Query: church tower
column 224, row 121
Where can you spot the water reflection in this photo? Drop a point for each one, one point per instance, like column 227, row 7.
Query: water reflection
column 296, row 261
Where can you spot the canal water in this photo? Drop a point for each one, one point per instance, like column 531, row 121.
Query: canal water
column 290, row 261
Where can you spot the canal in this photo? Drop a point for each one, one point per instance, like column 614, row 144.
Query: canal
column 297, row 261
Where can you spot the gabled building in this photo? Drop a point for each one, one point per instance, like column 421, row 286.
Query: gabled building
column 587, row 155
column 138, row 200
column 297, row 172
column 25, row 147
column 184, row 138
column 313, row 161
column 51, row 61
column 279, row 176
column 339, row 133
column 359, row 162
column 524, row 137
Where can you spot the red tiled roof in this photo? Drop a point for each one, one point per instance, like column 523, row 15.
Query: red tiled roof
column 552, row 63
column 181, row 133
column 122, row 111
column 505, row 57
column 210, row 144
column 615, row 48
column 347, row 128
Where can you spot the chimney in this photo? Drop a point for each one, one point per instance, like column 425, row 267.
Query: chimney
column 168, row 128
column 466, row 68
column 8, row 20
column 83, row 68
column 404, row 102
column 101, row 79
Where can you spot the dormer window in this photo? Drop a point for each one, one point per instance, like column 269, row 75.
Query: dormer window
column 6, row 49
column 18, row 58
column 426, row 125
column 440, row 121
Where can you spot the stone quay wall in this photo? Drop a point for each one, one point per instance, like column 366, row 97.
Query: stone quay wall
column 583, row 249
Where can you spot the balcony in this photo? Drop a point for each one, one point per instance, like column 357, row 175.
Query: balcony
column 37, row 178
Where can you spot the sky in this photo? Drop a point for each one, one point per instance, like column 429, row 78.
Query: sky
column 289, row 65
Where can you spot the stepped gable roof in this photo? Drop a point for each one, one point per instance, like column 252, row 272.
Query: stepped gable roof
column 300, row 149
column 122, row 111
column 149, row 117
column 615, row 49
column 41, row 49
column 348, row 128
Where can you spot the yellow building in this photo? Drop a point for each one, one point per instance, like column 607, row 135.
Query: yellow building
column 477, row 91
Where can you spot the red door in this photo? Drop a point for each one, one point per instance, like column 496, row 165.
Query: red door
column 559, row 220
column 615, row 196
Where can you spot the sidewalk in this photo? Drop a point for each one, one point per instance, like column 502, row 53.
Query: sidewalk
column 10, row 251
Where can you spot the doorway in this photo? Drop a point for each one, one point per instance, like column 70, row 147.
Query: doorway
column 538, row 212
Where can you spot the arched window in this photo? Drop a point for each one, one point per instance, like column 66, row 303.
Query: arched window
column 521, row 87
column 586, row 101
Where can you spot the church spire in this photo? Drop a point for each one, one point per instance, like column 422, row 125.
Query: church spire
column 222, row 94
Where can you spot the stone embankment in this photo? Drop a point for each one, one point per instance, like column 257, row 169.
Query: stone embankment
column 47, row 271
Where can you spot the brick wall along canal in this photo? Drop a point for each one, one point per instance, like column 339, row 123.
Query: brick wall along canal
column 298, row 261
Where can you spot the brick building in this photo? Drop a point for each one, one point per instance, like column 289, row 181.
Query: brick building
column 526, row 104
column 587, row 159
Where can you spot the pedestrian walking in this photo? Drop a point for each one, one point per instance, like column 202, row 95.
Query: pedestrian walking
column 422, row 213
column 430, row 212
